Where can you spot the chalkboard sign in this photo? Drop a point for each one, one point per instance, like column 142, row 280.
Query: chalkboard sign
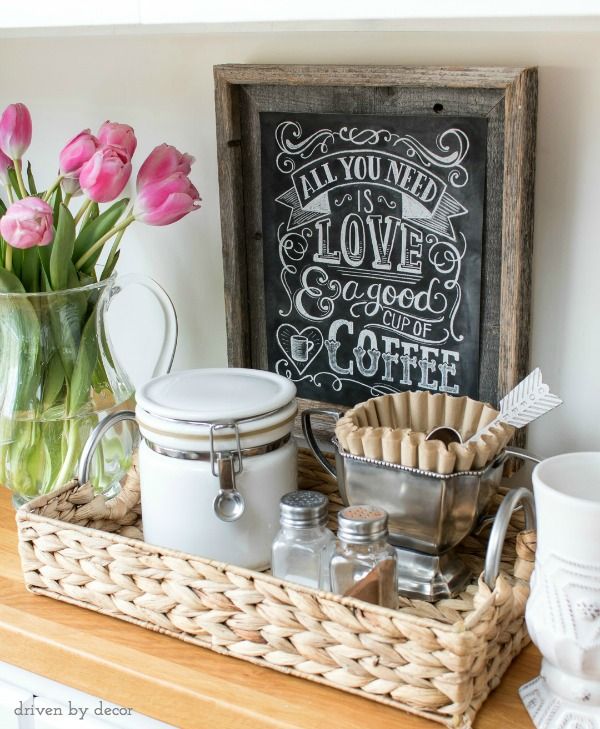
column 377, row 226
column 372, row 249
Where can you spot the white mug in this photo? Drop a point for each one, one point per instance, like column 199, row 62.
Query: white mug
column 563, row 611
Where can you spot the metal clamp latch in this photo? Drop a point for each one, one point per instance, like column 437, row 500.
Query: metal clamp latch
column 228, row 504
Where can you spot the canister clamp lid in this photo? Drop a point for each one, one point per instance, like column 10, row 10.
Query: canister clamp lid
column 235, row 456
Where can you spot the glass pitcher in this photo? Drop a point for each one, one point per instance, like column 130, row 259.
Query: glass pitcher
column 59, row 377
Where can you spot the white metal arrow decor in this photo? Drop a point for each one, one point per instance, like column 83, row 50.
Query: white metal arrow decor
column 530, row 399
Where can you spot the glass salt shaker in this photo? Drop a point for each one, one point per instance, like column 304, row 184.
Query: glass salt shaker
column 364, row 564
column 303, row 547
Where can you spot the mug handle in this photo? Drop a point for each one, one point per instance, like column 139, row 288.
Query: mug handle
column 309, row 435
column 310, row 346
column 167, row 352
column 509, row 503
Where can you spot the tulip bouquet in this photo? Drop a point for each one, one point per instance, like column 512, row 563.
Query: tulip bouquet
column 51, row 375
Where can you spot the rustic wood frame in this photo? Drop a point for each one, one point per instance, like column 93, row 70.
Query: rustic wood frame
column 507, row 96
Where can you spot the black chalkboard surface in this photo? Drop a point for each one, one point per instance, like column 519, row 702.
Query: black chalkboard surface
column 372, row 234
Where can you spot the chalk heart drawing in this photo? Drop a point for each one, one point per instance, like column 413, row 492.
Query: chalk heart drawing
column 301, row 347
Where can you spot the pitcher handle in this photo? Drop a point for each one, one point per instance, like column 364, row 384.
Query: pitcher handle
column 509, row 503
column 310, row 436
column 167, row 353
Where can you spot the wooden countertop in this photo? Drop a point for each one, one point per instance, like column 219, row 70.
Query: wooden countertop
column 185, row 685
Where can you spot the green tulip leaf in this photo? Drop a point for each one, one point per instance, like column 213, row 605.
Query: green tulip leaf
column 9, row 283
column 30, row 180
column 73, row 281
column 30, row 270
column 44, row 253
column 56, row 204
column 93, row 212
column 95, row 229
column 53, row 381
column 62, row 249
column 17, row 261
column 84, row 366
column 20, row 343
column 12, row 176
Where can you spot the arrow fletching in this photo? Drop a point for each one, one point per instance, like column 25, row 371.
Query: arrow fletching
column 529, row 400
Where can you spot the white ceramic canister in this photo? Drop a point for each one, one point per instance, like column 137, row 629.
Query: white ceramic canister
column 215, row 459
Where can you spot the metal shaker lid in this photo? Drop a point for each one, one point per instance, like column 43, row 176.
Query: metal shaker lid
column 362, row 524
column 303, row 509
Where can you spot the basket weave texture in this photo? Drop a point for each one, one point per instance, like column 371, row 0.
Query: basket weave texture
column 439, row 661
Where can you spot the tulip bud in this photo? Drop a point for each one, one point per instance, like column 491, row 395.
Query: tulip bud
column 162, row 162
column 118, row 135
column 27, row 223
column 105, row 174
column 166, row 201
column 73, row 156
column 5, row 164
column 15, row 130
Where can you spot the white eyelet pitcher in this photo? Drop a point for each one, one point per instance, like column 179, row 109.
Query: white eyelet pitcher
column 563, row 612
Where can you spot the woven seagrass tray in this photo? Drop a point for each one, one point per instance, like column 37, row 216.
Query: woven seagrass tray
column 439, row 661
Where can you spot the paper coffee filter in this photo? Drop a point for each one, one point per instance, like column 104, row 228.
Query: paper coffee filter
column 393, row 428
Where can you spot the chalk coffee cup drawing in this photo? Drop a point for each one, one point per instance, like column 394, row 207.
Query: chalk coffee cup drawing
column 300, row 347
column 563, row 611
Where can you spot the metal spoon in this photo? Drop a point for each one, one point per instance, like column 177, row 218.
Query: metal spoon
column 228, row 504
column 446, row 434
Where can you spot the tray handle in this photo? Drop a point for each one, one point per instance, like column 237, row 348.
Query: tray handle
column 308, row 432
column 94, row 439
column 493, row 555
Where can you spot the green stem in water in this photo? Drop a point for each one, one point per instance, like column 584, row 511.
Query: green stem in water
column 67, row 199
column 19, row 174
column 9, row 192
column 72, row 426
column 52, row 187
column 99, row 243
column 8, row 259
column 81, row 211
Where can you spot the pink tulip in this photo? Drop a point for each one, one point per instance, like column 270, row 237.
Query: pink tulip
column 118, row 135
column 166, row 201
column 27, row 223
column 105, row 174
column 73, row 156
column 162, row 162
column 15, row 130
column 5, row 164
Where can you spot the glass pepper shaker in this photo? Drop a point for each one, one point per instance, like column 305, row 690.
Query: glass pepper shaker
column 364, row 564
column 304, row 545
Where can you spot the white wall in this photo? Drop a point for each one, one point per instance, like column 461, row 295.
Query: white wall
column 163, row 87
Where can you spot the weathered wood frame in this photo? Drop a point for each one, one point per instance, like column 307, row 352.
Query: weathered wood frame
column 506, row 96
